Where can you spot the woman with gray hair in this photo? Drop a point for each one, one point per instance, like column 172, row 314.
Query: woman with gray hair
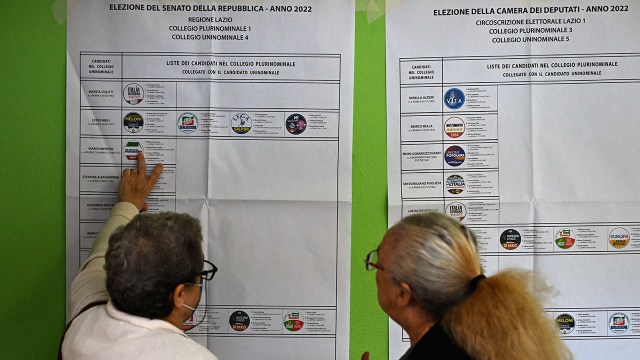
column 430, row 282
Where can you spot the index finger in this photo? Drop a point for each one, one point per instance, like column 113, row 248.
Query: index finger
column 142, row 165
column 155, row 174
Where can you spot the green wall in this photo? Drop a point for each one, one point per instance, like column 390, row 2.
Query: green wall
column 32, row 185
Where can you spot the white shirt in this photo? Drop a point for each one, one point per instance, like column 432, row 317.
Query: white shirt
column 105, row 333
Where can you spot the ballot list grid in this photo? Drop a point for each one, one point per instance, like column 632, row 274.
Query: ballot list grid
column 134, row 102
column 450, row 163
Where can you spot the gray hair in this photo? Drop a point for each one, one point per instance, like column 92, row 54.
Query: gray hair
column 437, row 257
column 148, row 258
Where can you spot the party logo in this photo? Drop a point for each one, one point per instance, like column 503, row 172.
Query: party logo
column 131, row 150
column 239, row 320
column 241, row 123
column 510, row 239
column 618, row 323
column 619, row 238
column 296, row 124
column 566, row 323
column 457, row 211
column 187, row 122
column 454, row 98
column 293, row 321
column 133, row 94
column 455, row 184
column 454, row 155
column 565, row 239
column 454, row 127
column 133, row 122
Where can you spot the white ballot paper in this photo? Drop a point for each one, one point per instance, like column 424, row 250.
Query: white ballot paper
column 249, row 107
column 519, row 119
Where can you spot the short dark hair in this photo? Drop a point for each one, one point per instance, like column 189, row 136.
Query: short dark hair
column 148, row 258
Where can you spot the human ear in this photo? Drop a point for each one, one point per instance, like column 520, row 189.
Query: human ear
column 178, row 295
column 404, row 294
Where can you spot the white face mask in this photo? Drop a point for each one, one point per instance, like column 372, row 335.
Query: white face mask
column 187, row 327
column 189, row 307
column 193, row 310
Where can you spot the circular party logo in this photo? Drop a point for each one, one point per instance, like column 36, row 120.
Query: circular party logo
column 241, row 123
column 454, row 127
column 293, row 321
column 454, row 98
column 565, row 239
column 239, row 320
column 510, row 239
column 618, row 323
column 457, row 211
column 455, row 184
column 454, row 155
column 619, row 238
column 187, row 122
column 131, row 150
column 133, row 122
column 296, row 124
column 566, row 323
column 133, row 94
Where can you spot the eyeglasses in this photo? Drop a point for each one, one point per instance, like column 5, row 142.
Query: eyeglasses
column 209, row 272
column 206, row 275
column 371, row 261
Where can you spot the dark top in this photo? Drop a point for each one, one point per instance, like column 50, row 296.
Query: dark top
column 435, row 345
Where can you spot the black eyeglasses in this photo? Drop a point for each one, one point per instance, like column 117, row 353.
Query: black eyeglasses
column 371, row 261
column 209, row 271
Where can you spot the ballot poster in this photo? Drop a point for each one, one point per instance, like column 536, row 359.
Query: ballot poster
column 519, row 119
column 248, row 104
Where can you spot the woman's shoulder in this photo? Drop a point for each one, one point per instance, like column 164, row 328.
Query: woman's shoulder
column 437, row 344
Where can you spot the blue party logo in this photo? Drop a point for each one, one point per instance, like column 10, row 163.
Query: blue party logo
column 454, row 98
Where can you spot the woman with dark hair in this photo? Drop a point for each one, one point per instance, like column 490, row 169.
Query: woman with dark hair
column 141, row 281
column 148, row 258
column 431, row 283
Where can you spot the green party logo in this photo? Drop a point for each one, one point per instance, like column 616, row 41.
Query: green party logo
column 293, row 321
column 565, row 239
